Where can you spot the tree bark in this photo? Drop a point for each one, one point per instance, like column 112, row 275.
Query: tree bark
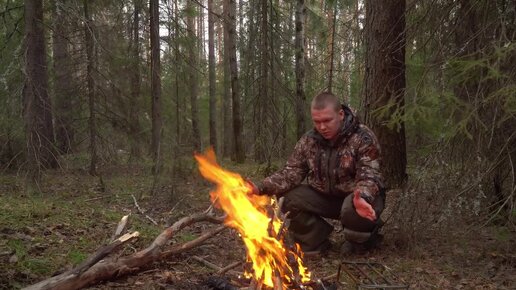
column 157, row 122
column 226, row 98
column 235, row 85
column 90, row 83
column 37, row 106
column 332, row 18
column 211, row 61
column 63, row 80
column 193, row 76
column 260, row 122
column 176, row 84
column 134, row 122
column 300, row 68
column 385, row 83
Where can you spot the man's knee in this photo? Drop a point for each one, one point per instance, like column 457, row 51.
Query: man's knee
column 295, row 199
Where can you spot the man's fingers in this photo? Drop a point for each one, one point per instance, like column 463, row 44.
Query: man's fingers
column 366, row 211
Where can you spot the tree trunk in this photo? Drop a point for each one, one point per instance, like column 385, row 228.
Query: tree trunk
column 300, row 68
column 134, row 122
column 228, row 150
column 176, row 84
column 385, row 82
column 37, row 106
column 211, row 60
column 193, row 78
column 157, row 122
column 235, row 85
column 63, row 80
column 260, row 122
column 332, row 14
column 90, row 83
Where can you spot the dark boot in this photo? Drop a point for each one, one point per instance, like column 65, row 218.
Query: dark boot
column 350, row 248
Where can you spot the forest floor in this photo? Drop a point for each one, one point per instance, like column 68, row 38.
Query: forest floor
column 45, row 234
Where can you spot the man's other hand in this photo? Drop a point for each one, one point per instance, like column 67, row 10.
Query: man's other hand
column 253, row 188
column 363, row 208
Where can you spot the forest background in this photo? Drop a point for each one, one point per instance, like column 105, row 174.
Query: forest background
column 106, row 101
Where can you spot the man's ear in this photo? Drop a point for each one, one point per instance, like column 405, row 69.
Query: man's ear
column 341, row 114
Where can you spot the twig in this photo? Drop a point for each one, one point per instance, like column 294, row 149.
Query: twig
column 210, row 208
column 176, row 249
column 207, row 263
column 96, row 198
column 229, row 267
column 142, row 211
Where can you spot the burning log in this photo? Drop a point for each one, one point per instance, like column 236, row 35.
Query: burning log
column 96, row 270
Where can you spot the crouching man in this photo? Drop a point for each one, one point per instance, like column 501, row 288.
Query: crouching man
column 340, row 158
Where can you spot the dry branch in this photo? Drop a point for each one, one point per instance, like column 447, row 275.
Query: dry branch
column 107, row 269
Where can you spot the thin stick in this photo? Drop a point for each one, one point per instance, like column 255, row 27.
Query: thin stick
column 207, row 263
column 142, row 211
column 229, row 267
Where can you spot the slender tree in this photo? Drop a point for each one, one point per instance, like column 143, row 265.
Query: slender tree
column 63, row 79
column 227, row 140
column 385, row 82
column 211, row 60
column 230, row 11
column 332, row 19
column 300, row 68
column 157, row 122
column 133, row 116
column 193, row 56
column 90, row 84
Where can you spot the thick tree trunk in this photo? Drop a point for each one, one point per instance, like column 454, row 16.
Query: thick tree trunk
column 157, row 122
column 37, row 108
column 385, row 82
column 235, row 85
column 193, row 77
column 63, row 80
column 90, row 83
column 212, row 88
column 133, row 118
column 300, row 68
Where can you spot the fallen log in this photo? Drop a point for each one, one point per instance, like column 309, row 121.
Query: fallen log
column 113, row 268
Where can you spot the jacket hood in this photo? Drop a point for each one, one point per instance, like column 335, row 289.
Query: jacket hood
column 350, row 125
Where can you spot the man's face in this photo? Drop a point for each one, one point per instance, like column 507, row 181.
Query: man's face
column 327, row 121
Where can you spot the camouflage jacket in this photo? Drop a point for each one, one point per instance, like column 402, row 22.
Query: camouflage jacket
column 337, row 168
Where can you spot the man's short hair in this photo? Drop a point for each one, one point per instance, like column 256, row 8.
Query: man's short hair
column 325, row 99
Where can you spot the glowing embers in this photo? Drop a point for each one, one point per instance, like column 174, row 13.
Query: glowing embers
column 273, row 261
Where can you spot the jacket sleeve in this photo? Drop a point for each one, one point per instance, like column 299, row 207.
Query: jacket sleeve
column 369, row 179
column 291, row 175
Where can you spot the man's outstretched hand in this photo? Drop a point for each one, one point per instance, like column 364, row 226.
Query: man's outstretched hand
column 363, row 208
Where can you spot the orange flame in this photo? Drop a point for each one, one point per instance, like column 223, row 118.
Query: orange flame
column 248, row 214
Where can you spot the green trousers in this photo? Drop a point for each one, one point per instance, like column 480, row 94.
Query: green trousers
column 308, row 208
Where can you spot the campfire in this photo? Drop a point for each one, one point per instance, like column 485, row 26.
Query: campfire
column 274, row 261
